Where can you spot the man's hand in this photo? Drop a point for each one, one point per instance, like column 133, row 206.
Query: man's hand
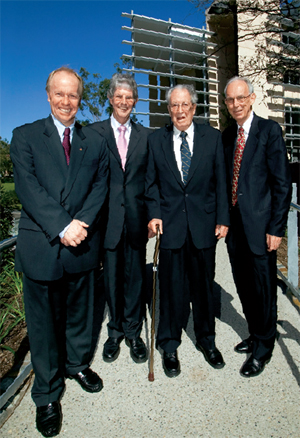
column 221, row 231
column 273, row 242
column 75, row 234
column 152, row 226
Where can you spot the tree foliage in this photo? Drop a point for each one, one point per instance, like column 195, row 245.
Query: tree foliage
column 274, row 26
column 94, row 101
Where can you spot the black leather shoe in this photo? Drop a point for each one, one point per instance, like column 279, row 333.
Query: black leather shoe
column 49, row 419
column 213, row 357
column 245, row 346
column 138, row 350
column 171, row 364
column 88, row 380
column 111, row 349
column 253, row 367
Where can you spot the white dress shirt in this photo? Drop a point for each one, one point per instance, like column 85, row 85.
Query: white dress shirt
column 177, row 140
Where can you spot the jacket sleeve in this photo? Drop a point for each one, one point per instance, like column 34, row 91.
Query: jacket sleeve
column 94, row 200
column 279, row 176
column 37, row 205
column 152, row 196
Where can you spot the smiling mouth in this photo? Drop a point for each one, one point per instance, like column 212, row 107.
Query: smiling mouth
column 66, row 111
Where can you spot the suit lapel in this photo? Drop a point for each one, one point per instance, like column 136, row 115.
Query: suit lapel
column 78, row 150
column 250, row 148
column 108, row 133
column 54, row 146
column 168, row 151
column 197, row 151
column 133, row 141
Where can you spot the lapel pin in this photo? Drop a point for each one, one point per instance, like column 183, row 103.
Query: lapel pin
column 80, row 149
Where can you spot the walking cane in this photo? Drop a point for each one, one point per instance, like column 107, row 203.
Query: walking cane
column 151, row 373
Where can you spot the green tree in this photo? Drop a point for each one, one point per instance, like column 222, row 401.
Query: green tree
column 94, row 100
column 6, row 167
column 278, row 53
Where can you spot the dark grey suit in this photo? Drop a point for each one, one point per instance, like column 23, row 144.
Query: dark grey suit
column 189, row 214
column 126, row 232
column 58, row 280
column 264, row 194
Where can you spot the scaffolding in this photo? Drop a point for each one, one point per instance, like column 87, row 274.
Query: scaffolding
column 165, row 54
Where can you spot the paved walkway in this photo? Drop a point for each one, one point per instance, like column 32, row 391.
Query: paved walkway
column 202, row 401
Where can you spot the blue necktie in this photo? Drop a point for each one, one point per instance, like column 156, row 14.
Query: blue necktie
column 185, row 156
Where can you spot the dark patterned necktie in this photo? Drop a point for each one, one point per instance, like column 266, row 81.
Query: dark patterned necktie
column 67, row 144
column 238, row 155
column 185, row 156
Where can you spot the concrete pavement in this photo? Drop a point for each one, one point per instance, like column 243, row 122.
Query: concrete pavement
column 201, row 401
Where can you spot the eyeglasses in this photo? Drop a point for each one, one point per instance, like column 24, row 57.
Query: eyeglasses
column 119, row 97
column 239, row 99
column 185, row 106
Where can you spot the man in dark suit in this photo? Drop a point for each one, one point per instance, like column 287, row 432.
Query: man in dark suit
column 259, row 184
column 60, row 172
column 186, row 198
column 126, row 228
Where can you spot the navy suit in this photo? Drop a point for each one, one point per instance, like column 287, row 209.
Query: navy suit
column 58, row 280
column 189, row 214
column 264, row 194
column 125, row 232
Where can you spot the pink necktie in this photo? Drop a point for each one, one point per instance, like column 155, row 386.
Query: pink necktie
column 66, row 144
column 122, row 145
column 238, row 155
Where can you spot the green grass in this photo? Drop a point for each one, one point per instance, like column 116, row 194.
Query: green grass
column 9, row 187
column 11, row 301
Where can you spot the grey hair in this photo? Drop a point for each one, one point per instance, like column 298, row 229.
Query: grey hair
column 238, row 78
column 190, row 88
column 120, row 80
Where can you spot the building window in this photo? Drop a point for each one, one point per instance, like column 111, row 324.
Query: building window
column 292, row 131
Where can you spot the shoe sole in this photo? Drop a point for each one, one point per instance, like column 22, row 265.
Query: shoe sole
column 171, row 374
column 91, row 391
column 244, row 351
column 217, row 367
column 111, row 359
column 256, row 374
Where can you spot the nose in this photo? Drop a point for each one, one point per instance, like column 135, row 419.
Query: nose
column 123, row 99
column 66, row 99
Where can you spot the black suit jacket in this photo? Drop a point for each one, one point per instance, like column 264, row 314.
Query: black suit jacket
column 126, row 205
column 52, row 194
column 199, row 205
column 264, row 185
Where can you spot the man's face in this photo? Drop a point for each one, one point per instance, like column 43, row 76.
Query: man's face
column 122, row 103
column 63, row 97
column 181, row 109
column 239, row 101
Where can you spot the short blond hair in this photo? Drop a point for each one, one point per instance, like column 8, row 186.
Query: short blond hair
column 67, row 70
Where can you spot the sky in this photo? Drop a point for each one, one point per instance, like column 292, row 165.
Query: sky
column 39, row 36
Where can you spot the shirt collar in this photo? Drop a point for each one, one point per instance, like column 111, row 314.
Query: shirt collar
column 60, row 127
column 189, row 131
column 115, row 124
column 247, row 125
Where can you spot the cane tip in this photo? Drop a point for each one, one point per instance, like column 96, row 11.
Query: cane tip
column 151, row 377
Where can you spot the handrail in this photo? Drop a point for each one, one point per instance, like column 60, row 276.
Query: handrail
column 8, row 243
column 295, row 206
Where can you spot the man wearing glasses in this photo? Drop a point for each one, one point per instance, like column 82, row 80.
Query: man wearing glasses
column 186, row 198
column 259, row 192
column 126, row 223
